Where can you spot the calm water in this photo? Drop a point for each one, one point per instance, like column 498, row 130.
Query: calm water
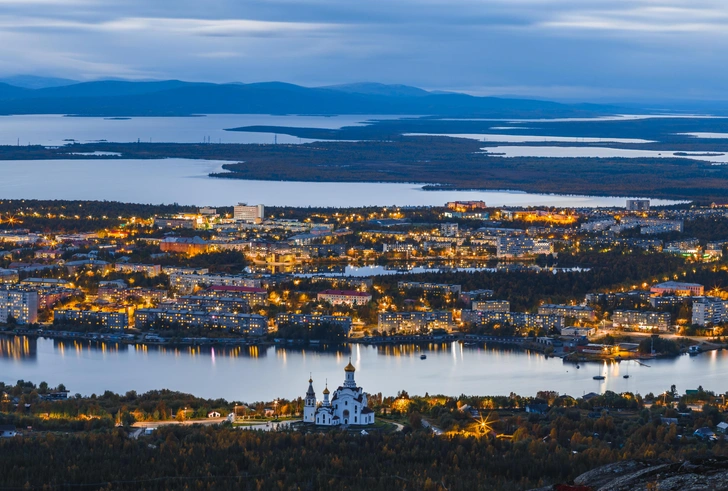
column 53, row 129
column 489, row 137
column 186, row 182
column 601, row 152
column 251, row 374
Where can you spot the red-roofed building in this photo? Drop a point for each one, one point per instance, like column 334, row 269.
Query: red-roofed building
column 338, row 297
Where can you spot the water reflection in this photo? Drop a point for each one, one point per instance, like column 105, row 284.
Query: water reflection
column 252, row 373
column 18, row 348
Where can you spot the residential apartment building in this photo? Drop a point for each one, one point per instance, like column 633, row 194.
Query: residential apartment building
column 94, row 318
column 641, row 319
column 429, row 287
column 20, row 304
column 147, row 269
column 310, row 320
column 519, row 246
column 234, row 305
column 244, row 213
column 468, row 297
column 338, row 297
column 414, row 321
column 710, row 310
column 252, row 295
column 638, row 205
column 8, row 276
column 580, row 312
column 492, row 305
column 247, row 324
column 187, row 283
column 518, row 319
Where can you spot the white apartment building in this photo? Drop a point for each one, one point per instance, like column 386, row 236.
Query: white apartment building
column 710, row 310
column 21, row 305
column 244, row 213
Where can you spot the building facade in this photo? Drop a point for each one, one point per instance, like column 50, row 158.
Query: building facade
column 339, row 297
column 710, row 310
column 19, row 304
column 414, row 321
column 244, row 213
column 641, row 319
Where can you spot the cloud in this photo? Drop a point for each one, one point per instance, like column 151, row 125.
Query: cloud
column 557, row 48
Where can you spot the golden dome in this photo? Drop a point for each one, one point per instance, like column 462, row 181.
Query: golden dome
column 349, row 367
column 326, row 391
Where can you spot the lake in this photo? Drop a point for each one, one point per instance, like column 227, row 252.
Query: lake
column 253, row 374
column 602, row 152
column 186, row 182
column 55, row 130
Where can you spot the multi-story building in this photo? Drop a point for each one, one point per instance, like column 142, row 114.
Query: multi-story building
column 244, row 213
column 463, row 206
column 576, row 311
column 187, row 283
column 46, row 283
column 95, row 318
column 339, row 297
column 183, row 245
column 252, row 295
column 519, row 246
column 518, row 319
column 492, row 305
column 249, row 324
column 310, row 320
column 468, row 297
column 429, row 287
column 710, row 310
column 8, row 276
column 19, row 304
column 448, row 229
column 638, row 205
column 147, row 269
column 170, row 270
column 678, row 288
column 641, row 319
column 361, row 284
column 115, row 293
column 208, row 304
column 414, row 321
column 669, row 301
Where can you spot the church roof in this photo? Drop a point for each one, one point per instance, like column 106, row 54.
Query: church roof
column 349, row 367
column 326, row 390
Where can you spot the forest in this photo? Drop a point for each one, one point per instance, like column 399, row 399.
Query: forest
column 500, row 448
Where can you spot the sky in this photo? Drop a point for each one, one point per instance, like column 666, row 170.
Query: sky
column 560, row 49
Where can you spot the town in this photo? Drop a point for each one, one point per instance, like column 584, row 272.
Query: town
column 248, row 274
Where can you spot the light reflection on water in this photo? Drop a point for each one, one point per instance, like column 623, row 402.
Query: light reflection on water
column 251, row 373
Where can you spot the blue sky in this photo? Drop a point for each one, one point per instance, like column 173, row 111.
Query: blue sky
column 565, row 49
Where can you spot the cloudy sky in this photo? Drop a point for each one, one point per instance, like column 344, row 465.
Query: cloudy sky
column 567, row 49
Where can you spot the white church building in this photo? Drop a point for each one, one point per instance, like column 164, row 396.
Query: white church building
column 348, row 405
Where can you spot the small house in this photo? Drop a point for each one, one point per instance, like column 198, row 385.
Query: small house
column 537, row 408
column 213, row 414
column 722, row 427
column 705, row 433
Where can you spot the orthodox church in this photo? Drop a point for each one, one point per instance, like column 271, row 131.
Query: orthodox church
column 348, row 404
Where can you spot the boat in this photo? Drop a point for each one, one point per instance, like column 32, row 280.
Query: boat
column 423, row 357
column 625, row 376
column 577, row 366
column 598, row 377
column 694, row 350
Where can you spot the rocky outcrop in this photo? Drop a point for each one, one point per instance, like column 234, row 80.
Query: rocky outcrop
column 704, row 474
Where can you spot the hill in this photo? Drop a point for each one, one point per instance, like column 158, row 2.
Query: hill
column 174, row 97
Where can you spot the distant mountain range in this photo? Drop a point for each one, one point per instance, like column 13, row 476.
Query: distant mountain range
column 37, row 95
